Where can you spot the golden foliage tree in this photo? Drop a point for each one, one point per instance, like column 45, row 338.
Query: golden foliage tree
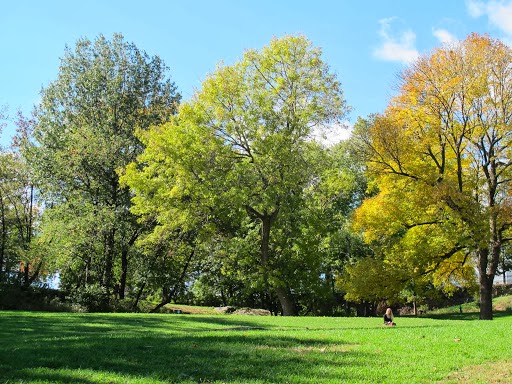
column 441, row 158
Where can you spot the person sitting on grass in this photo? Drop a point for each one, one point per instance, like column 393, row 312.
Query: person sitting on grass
column 388, row 317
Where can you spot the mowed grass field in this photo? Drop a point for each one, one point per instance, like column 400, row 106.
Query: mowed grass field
column 141, row 348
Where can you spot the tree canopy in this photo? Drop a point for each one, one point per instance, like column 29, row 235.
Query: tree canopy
column 241, row 156
column 233, row 197
column 84, row 132
column 440, row 156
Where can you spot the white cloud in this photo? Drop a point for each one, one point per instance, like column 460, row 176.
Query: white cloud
column 398, row 47
column 444, row 36
column 498, row 12
column 332, row 134
column 475, row 8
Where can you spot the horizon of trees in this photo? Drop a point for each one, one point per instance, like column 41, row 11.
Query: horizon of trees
column 231, row 198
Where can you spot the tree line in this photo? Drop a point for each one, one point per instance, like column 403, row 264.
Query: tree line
column 233, row 198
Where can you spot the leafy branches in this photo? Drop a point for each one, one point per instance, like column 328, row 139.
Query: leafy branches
column 439, row 155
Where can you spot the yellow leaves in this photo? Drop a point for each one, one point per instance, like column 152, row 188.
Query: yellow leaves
column 376, row 218
column 440, row 156
column 449, row 83
column 447, row 115
column 455, row 272
column 368, row 279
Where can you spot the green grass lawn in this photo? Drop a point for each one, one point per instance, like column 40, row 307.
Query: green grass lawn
column 141, row 348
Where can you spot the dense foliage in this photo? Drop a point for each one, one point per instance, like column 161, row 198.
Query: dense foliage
column 125, row 196
column 240, row 173
column 441, row 158
column 84, row 132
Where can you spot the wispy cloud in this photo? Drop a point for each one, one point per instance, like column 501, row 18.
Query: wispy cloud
column 498, row 12
column 475, row 8
column 332, row 134
column 444, row 36
column 396, row 47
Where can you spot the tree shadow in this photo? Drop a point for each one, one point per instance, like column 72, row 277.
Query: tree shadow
column 49, row 376
column 464, row 316
column 45, row 348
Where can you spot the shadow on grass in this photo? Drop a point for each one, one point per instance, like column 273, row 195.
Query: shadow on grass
column 464, row 316
column 101, row 323
column 73, row 349
column 47, row 375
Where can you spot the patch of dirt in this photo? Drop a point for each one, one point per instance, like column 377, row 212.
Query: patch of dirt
column 335, row 348
column 225, row 310
column 252, row 312
column 503, row 303
column 189, row 310
column 305, row 349
column 490, row 373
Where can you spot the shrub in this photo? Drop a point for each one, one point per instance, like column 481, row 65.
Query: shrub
column 90, row 298
column 16, row 297
column 123, row 306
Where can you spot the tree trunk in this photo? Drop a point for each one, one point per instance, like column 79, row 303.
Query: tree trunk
column 167, row 296
column 166, row 299
column 35, row 274
column 486, row 281
column 28, row 236
column 87, row 270
column 124, row 272
column 110, row 249
column 223, row 298
column 109, row 260
column 266, row 225
column 139, row 294
column 286, row 300
column 124, row 262
column 485, row 298
column 284, row 295
column 488, row 262
column 26, row 275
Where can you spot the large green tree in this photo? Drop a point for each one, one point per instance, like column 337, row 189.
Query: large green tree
column 84, row 132
column 242, row 153
column 441, row 157
column 313, row 242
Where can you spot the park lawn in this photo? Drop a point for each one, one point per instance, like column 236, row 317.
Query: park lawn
column 38, row 347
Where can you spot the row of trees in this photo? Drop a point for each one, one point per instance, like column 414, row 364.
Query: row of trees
column 235, row 200
column 231, row 197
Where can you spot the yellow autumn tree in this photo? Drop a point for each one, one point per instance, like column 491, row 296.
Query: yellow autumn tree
column 441, row 158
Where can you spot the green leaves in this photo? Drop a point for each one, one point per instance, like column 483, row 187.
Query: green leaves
column 84, row 135
column 241, row 156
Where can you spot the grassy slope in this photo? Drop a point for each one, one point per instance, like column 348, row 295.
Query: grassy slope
column 500, row 304
column 141, row 348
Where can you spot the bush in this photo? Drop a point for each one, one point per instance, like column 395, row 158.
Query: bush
column 123, row 306
column 16, row 297
column 502, row 290
column 90, row 298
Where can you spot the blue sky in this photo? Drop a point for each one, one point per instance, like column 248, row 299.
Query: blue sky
column 365, row 42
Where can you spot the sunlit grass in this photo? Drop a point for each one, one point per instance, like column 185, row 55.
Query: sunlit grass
column 141, row 348
column 471, row 310
column 496, row 372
